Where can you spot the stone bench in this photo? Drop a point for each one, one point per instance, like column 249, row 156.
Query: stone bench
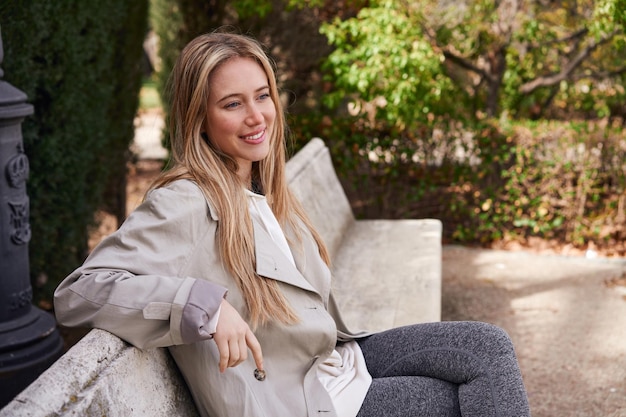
column 387, row 273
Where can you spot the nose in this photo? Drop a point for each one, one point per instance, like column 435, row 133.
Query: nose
column 255, row 116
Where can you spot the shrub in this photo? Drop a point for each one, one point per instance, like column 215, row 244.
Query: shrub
column 564, row 181
column 495, row 182
column 80, row 65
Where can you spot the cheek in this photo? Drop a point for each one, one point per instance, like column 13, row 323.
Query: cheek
column 218, row 127
column 270, row 114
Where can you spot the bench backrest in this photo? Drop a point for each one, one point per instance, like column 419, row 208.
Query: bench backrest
column 313, row 179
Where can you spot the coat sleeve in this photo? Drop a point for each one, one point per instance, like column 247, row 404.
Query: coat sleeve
column 133, row 283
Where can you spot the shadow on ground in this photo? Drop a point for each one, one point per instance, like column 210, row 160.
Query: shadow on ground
column 566, row 316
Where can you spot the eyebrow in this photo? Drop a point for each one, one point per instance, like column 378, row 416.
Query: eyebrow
column 233, row 95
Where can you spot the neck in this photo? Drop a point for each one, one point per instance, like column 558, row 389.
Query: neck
column 245, row 175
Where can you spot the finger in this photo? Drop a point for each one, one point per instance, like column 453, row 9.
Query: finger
column 224, row 351
column 255, row 348
column 234, row 352
column 243, row 351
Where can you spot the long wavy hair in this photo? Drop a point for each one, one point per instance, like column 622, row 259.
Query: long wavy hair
column 216, row 173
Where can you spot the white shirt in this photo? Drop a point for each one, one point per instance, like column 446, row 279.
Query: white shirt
column 344, row 373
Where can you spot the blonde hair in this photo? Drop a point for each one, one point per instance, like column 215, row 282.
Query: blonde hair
column 216, row 173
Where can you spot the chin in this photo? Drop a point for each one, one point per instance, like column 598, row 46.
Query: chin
column 260, row 154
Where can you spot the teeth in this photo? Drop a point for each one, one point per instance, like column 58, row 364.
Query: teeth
column 254, row 137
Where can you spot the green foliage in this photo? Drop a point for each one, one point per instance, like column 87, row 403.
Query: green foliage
column 166, row 20
column 383, row 62
column 478, row 57
column 249, row 8
column 80, row 65
column 560, row 180
column 563, row 181
column 262, row 8
column 619, row 12
column 568, row 65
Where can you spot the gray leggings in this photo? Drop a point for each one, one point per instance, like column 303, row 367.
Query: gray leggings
column 443, row 369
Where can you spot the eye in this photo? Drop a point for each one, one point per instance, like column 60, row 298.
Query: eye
column 264, row 96
column 232, row 105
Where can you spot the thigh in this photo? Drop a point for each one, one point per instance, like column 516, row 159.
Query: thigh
column 453, row 351
column 410, row 397
column 478, row 357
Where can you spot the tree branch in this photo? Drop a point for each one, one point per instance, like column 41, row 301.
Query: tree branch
column 556, row 78
column 468, row 65
column 574, row 36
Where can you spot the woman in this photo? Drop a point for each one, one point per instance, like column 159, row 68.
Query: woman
column 221, row 261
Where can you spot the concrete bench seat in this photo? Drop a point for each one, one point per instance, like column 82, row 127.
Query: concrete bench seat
column 387, row 273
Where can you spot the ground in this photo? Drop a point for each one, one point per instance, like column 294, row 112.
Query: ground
column 566, row 316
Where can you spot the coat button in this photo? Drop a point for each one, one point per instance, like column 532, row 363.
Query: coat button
column 259, row 374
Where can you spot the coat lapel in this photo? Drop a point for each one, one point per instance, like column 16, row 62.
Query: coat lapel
column 270, row 260
column 272, row 263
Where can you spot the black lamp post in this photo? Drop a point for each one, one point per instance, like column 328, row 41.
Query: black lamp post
column 29, row 339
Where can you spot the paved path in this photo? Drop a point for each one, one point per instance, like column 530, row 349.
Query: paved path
column 148, row 131
column 565, row 316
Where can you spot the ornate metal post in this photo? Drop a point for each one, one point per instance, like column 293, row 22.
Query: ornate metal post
column 29, row 340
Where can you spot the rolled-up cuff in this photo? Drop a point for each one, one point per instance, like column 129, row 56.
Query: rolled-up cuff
column 200, row 313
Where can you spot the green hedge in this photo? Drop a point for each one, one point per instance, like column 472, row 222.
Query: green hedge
column 79, row 62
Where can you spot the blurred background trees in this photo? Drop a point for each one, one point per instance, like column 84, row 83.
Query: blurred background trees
column 514, row 108
column 531, row 59
column 502, row 118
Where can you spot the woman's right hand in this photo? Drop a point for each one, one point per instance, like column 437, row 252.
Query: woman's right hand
column 234, row 337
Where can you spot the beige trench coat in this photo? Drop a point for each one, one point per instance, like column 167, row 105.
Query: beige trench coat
column 136, row 284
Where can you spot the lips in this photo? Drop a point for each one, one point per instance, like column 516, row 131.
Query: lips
column 255, row 138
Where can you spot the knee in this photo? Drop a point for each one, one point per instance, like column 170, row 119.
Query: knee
column 493, row 337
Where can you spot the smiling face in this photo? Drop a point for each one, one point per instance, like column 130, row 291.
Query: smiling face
column 240, row 113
